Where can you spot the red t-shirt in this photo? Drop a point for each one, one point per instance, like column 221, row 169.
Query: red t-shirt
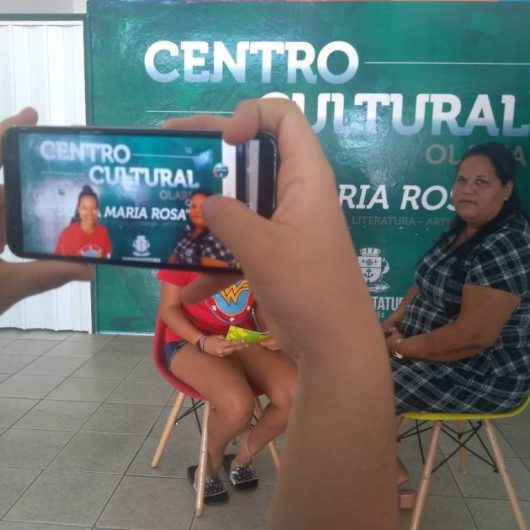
column 74, row 242
column 214, row 315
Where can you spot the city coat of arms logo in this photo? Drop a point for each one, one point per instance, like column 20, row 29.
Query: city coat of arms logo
column 374, row 266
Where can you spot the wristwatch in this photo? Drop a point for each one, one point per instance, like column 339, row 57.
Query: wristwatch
column 394, row 353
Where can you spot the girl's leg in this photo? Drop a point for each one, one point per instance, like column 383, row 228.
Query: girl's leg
column 222, row 381
column 275, row 375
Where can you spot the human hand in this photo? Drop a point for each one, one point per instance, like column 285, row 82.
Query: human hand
column 300, row 263
column 303, row 270
column 392, row 338
column 218, row 346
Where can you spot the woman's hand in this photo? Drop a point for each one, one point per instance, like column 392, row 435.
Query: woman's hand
column 218, row 346
column 388, row 326
column 391, row 339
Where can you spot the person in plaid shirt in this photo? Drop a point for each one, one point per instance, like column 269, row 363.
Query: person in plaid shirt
column 460, row 340
column 198, row 246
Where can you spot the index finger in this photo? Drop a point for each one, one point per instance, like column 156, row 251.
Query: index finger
column 27, row 116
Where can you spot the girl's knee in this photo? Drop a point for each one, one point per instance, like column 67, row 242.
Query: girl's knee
column 236, row 407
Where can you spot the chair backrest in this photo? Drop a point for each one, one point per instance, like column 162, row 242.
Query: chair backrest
column 159, row 343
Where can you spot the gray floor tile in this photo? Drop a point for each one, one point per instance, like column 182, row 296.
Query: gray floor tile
column 73, row 498
column 43, row 334
column 145, row 371
column 53, row 366
column 31, row 449
column 409, row 447
column 12, row 409
column 29, row 386
column 518, row 436
column 526, row 462
column 58, row 415
column 30, row 347
column 106, row 368
column 123, row 418
column 3, row 377
column 37, row 526
column 10, row 333
column 83, row 389
column 181, row 452
column 245, row 511
column 142, row 393
column 482, row 482
column 12, row 483
column 10, row 364
column 447, row 445
column 442, row 513
column 73, row 349
column 5, row 342
column 102, row 452
column 496, row 515
column 135, row 346
column 442, row 481
column 149, row 503
column 86, row 338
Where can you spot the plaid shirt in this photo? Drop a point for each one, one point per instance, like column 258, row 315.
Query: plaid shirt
column 497, row 378
column 190, row 251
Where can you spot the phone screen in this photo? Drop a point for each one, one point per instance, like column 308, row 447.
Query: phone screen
column 129, row 197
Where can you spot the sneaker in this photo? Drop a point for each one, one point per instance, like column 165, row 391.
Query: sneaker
column 214, row 488
column 242, row 477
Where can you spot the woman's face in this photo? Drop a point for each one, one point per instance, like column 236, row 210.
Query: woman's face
column 478, row 193
column 88, row 211
column 195, row 214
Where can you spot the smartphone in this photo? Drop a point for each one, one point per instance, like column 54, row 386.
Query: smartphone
column 129, row 196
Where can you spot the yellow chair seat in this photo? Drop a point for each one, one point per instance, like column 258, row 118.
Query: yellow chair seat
column 462, row 416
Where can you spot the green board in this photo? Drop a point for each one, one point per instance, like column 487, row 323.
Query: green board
column 396, row 93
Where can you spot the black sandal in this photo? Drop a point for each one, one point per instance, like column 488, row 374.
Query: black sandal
column 243, row 477
column 215, row 491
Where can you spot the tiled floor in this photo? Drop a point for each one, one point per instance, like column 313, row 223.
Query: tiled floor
column 79, row 419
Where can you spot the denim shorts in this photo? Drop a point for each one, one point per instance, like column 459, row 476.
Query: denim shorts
column 171, row 349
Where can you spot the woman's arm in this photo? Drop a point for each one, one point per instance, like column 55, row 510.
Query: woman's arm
column 170, row 311
column 484, row 312
column 397, row 316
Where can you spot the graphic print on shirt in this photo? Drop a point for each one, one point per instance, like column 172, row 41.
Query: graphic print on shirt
column 232, row 304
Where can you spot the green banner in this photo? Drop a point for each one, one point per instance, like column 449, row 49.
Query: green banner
column 396, row 92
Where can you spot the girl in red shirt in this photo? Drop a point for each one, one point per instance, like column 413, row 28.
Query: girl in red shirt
column 85, row 236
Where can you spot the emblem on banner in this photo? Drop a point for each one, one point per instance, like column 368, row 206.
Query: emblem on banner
column 374, row 266
column 141, row 246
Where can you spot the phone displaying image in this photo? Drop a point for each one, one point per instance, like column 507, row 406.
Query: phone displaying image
column 129, row 196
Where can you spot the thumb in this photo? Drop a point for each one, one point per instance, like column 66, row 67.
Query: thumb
column 245, row 233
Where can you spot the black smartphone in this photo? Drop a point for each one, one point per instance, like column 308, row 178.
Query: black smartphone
column 129, row 196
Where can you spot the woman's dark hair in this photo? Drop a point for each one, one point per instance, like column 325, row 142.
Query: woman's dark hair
column 87, row 191
column 505, row 167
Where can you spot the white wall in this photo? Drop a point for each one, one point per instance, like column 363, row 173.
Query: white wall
column 55, row 7
column 42, row 65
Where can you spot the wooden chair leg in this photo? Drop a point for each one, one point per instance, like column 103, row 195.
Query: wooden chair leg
column 170, row 423
column 426, row 477
column 203, row 459
column 258, row 411
column 499, row 461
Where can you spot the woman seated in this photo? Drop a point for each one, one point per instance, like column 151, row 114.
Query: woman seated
column 227, row 374
column 460, row 340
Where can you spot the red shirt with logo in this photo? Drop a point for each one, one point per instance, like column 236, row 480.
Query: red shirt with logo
column 74, row 242
column 214, row 315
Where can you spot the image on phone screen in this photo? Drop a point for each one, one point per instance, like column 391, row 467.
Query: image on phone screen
column 129, row 198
